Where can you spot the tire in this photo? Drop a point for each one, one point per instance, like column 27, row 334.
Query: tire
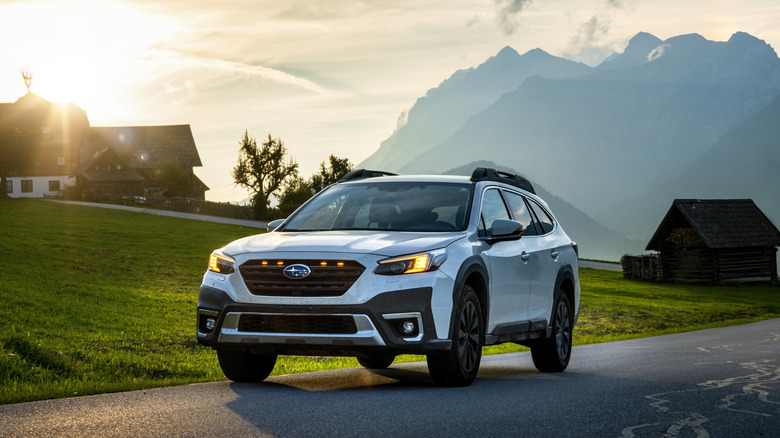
column 376, row 362
column 459, row 365
column 552, row 355
column 243, row 366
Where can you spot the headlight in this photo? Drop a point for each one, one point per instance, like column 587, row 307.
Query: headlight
column 221, row 263
column 423, row 262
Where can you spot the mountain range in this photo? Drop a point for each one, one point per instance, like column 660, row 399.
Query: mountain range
column 682, row 117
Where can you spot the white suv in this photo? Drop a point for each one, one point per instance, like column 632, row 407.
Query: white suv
column 379, row 265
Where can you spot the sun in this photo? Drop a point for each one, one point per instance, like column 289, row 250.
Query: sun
column 80, row 51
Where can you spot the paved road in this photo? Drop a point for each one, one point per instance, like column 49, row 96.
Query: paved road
column 608, row 266
column 720, row 382
column 193, row 216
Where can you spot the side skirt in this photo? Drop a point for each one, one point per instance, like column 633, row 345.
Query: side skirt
column 518, row 332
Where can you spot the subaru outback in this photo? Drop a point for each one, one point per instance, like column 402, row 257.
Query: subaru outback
column 379, row 265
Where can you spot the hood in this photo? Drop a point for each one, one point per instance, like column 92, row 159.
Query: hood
column 388, row 244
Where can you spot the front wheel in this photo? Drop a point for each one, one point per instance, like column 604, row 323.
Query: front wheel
column 552, row 355
column 459, row 365
column 244, row 366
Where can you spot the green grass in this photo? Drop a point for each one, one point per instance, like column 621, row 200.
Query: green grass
column 97, row 300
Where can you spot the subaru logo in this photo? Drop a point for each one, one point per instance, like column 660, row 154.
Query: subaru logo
column 297, row 272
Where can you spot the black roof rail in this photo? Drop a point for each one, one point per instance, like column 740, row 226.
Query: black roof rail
column 488, row 174
column 364, row 173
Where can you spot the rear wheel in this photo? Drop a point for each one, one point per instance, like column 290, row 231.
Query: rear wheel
column 376, row 362
column 243, row 366
column 459, row 365
column 552, row 355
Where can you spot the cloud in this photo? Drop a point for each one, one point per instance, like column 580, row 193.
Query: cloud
column 622, row 4
column 507, row 13
column 657, row 52
column 586, row 45
column 257, row 71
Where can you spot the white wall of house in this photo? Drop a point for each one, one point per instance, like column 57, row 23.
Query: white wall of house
column 37, row 186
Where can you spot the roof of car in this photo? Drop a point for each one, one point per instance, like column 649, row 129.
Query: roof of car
column 480, row 174
column 412, row 178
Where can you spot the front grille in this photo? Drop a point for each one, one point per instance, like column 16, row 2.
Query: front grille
column 298, row 324
column 328, row 278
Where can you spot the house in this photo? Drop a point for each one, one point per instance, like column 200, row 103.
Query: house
column 107, row 174
column 59, row 148
column 147, row 151
column 716, row 240
column 52, row 134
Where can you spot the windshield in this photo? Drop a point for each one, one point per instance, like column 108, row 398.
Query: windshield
column 387, row 206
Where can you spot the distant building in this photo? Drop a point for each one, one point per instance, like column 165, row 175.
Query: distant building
column 54, row 132
column 105, row 162
column 716, row 240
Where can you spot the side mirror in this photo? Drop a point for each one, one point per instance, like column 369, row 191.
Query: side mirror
column 505, row 229
column 275, row 224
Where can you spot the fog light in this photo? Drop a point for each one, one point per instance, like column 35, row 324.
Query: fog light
column 211, row 323
column 407, row 327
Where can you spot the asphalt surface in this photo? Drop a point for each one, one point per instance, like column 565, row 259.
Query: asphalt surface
column 607, row 266
column 712, row 383
column 193, row 216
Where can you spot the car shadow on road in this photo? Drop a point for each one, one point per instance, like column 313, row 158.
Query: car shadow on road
column 380, row 402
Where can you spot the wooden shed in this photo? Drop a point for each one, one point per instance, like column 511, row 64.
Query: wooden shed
column 716, row 240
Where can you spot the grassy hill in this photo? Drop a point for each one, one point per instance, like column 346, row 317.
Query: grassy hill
column 98, row 300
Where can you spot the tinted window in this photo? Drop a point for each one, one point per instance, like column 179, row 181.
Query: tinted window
column 492, row 208
column 391, row 206
column 520, row 213
column 545, row 221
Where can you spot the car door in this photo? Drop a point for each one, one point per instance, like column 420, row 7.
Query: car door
column 544, row 250
column 509, row 266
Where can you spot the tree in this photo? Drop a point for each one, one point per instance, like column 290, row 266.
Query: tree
column 332, row 174
column 262, row 170
column 297, row 190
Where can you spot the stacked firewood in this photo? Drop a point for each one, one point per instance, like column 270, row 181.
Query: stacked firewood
column 684, row 236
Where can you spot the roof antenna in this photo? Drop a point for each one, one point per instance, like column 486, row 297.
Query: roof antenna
column 27, row 76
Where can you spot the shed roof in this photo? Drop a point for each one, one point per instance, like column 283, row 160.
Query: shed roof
column 720, row 223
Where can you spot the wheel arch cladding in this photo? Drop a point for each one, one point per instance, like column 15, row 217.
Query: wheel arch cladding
column 473, row 273
column 565, row 282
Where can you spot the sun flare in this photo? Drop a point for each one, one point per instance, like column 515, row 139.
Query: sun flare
column 80, row 51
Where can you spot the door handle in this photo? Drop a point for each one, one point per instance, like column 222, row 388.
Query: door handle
column 524, row 256
column 554, row 254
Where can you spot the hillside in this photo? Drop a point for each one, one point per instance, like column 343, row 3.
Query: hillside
column 743, row 163
column 598, row 138
column 438, row 114
column 594, row 240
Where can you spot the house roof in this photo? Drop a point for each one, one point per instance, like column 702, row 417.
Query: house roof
column 719, row 223
column 126, row 175
column 148, row 146
column 33, row 109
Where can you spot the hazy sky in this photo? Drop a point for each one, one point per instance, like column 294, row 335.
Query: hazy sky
column 325, row 76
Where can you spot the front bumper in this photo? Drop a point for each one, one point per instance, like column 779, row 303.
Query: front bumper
column 374, row 325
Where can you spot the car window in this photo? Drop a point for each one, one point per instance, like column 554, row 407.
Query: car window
column 545, row 222
column 520, row 213
column 493, row 208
